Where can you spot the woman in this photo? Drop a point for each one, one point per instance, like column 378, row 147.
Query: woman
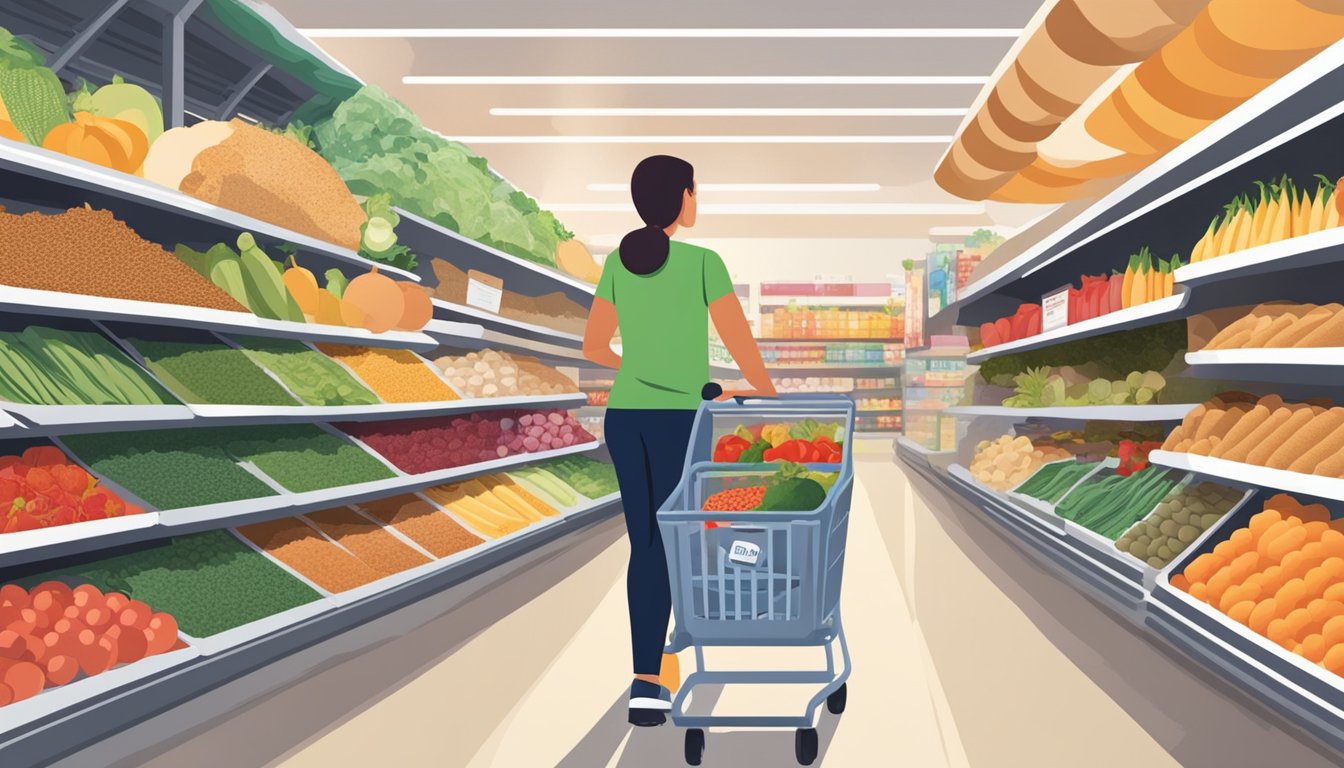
column 661, row 293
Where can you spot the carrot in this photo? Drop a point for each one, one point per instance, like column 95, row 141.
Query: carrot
column 1241, row 612
column 1334, row 659
column 1202, row 568
column 1302, row 218
column 1261, row 218
column 1127, row 283
column 1264, row 613
column 1201, row 250
column 1313, row 648
column 1243, row 240
column 1316, row 220
column 1283, row 227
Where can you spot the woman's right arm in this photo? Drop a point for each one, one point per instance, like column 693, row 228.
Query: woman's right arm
column 731, row 322
column 599, row 332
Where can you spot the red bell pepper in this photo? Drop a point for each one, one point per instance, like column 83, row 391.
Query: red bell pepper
column 1005, row 329
column 989, row 335
column 1033, row 319
column 729, row 448
column 795, row 451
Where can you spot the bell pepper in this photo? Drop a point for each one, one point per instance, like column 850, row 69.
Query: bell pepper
column 729, row 448
column 793, row 450
column 1005, row 329
column 776, row 434
column 989, row 335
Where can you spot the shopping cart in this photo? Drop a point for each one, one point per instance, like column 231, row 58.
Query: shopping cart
column 765, row 579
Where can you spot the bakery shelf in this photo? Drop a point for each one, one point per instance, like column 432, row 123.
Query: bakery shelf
column 1080, row 412
column 1294, row 365
column 35, row 303
column 433, row 240
column 157, row 212
column 1121, row 320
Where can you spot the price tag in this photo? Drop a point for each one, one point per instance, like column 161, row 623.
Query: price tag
column 484, row 291
column 1055, row 310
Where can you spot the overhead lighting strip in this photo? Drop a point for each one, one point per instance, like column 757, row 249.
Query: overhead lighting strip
column 694, row 80
column 846, row 139
column 728, row 111
column 652, row 33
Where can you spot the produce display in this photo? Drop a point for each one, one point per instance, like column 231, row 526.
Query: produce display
column 367, row 540
column 315, row 378
column 1052, row 481
column 248, row 275
column 377, row 145
column 246, row 168
column 169, row 468
column 47, row 366
column 599, row 398
column 1279, row 212
column 298, row 545
column 804, row 442
column 1003, row 463
column 1282, row 575
column 492, row 507
column 1109, row 503
column 1068, row 386
column 422, row 522
column 34, row 100
column 491, row 373
column 425, row 445
column 210, row 582
column 793, row 488
column 545, row 479
column 378, row 235
column 113, row 261
column 303, row 457
column 395, row 375
column 1284, row 325
column 54, row 634
column 42, row 489
column 1298, row 437
column 1178, row 520
column 587, row 475
column 210, row 373
column 552, row 310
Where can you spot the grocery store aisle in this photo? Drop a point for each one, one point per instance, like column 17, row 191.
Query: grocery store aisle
column 950, row 628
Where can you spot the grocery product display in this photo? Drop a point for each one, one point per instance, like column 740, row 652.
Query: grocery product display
column 300, row 546
column 792, row 488
column 42, row 488
column 395, row 375
column 205, row 372
column 552, row 310
column 1177, row 521
column 1052, row 481
column 498, row 373
column 47, row 366
column 312, row 376
column 422, row 522
column 1279, row 211
column 1005, row 462
column 302, row 457
column 587, row 475
column 1283, row 325
column 1267, row 432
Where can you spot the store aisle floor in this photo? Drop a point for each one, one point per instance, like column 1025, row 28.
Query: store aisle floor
column 966, row 653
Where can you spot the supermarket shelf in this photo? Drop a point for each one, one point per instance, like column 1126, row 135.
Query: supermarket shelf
column 22, row 160
column 467, row 336
column 492, row 321
column 878, row 411
column 178, row 522
column 823, row 340
column 826, row 301
column 591, row 412
column 836, row 369
column 1265, row 477
column 209, row 415
column 1296, row 103
column 1311, row 250
column 1317, row 365
column 1122, row 320
column 430, row 239
column 1080, row 412
column 33, row 302
column 132, row 699
column 45, row 419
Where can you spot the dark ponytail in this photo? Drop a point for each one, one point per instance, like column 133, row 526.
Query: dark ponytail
column 657, row 187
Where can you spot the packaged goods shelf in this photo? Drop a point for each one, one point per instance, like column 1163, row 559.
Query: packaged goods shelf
column 85, row 719
column 36, row 303
column 876, row 434
column 1173, row 188
column 494, row 322
column 433, row 240
column 157, row 213
column 1080, row 412
column 59, row 542
column 826, row 301
column 1120, row 320
column 829, row 340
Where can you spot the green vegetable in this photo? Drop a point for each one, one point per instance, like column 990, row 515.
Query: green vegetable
column 266, row 293
column 46, row 366
column 303, row 457
column 211, row 373
column 336, row 282
column 123, row 101
column 794, row 494
column 1052, row 481
column 755, row 454
column 810, row 429
column 1111, row 504
column 34, row 99
column 209, row 582
column 550, row 485
column 1151, row 348
column 17, row 52
column 588, row 476
column 315, row 378
column 378, row 241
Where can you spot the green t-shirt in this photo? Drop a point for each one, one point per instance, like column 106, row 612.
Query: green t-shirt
column 664, row 322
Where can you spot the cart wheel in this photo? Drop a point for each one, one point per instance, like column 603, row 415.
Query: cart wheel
column 695, row 746
column 835, row 703
column 805, row 745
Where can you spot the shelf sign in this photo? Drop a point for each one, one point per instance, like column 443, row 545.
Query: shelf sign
column 1055, row 310
column 484, row 291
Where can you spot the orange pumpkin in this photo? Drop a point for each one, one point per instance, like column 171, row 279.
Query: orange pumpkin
column 378, row 298
column 106, row 141
column 8, row 131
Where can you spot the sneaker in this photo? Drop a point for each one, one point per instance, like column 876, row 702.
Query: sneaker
column 649, row 704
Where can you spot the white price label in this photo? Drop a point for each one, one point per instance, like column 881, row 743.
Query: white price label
column 484, row 296
column 1055, row 310
column 744, row 553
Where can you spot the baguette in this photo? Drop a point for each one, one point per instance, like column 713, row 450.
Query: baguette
column 1192, row 417
column 1209, row 423
column 1245, row 426
column 1276, row 326
column 1331, row 467
column 1327, row 334
column 1255, row 437
column 1175, row 438
column 1328, row 431
column 1299, row 329
column 1201, row 447
column 1297, row 420
column 1241, row 325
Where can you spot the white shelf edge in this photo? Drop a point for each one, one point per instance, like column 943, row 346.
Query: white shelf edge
column 84, row 175
column 1313, row 356
column 1119, row 320
column 1265, row 477
column 540, row 269
column 1082, row 412
column 211, row 414
column 1261, row 258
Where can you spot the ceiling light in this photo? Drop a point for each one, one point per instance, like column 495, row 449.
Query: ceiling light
column 728, row 111
column 820, row 33
column 793, row 209
column 694, row 80
column 709, row 187
column 847, row 139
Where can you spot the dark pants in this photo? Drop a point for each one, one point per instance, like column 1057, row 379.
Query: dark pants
column 648, row 448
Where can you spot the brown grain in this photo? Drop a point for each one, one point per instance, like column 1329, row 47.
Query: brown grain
column 91, row 252
column 366, row 540
column 423, row 523
column 296, row 544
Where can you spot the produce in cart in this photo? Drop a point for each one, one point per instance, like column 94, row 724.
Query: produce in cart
column 42, row 489
column 805, row 442
column 1282, row 575
column 792, row 488
column 55, row 634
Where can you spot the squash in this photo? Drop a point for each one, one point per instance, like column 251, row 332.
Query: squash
column 418, row 309
column 302, row 285
column 574, row 259
column 105, row 141
column 328, row 308
column 8, row 131
column 378, row 297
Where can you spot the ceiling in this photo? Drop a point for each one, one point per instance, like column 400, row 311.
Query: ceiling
column 383, row 43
